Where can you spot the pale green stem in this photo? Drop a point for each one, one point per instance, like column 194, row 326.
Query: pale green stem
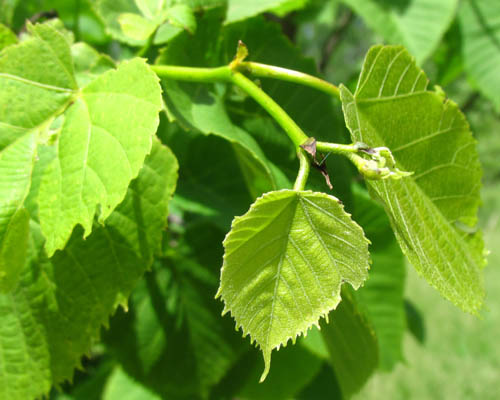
column 337, row 148
column 284, row 74
column 303, row 174
column 293, row 131
column 192, row 74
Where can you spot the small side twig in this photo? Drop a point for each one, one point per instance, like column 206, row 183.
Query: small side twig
column 334, row 39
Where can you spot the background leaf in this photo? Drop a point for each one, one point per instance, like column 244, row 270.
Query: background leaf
column 382, row 297
column 284, row 263
column 429, row 136
column 181, row 346
column 241, row 9
column 60, row 303
column 416, row 24
column 352, row 345
column 479, row 25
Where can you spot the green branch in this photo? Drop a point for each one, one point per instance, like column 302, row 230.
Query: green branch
column 303, row 174
column 293, row 131
column 289, row 75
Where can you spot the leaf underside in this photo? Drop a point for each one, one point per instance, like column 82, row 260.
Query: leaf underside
column 284, row 263
column 433, row 212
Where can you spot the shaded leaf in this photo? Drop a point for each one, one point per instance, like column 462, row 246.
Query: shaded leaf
column 60, row 303
column 242, row 9
column 433, row 212
column 293, row 368
column 284, row 263
column 382, row 297
column 121, row 386
column 480, row 28
column 173, row 340
column 352, row 345
column 416, row 24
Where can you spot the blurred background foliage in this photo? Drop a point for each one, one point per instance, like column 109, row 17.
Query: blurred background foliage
column 446, row 354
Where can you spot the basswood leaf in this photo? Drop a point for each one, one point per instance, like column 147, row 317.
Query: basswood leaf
column 433, row 212
column 242, row 9
column 382, row 297
column 480, row 34
column 55, row 313
column 8, row 7
column 284, row 263
column 133, row 21
column 294, row 367
column 182, row 347
column 352, row 345
column 416, row 24
column 7, row 37
column 104, row 139
column 36, row 82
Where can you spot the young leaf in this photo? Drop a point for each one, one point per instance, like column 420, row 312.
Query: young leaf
column 416, row 24
column 133, row 21
column 480, row 33
column 433, row 212
column 99, row 151
column 59, row 305
column 284, row 263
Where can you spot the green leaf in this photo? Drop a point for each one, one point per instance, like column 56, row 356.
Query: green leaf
column 433, row 212
column 89, row 63
column 480, row 33
column 284, row 263
column 7, row 37
column 182, row 15
column 8, row 7
column 173, row 340
column 243, row 9
column 136, row 26
column 94, row 137
column 284, row 381
column 382, row 297
column 40, row 68
column 121, row 386
column 134, row 21
column 352, row 345
column 58, row 307
column 211, row 181
column 416, row 24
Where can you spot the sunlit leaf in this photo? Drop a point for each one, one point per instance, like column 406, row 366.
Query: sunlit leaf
column 284, row 263
column 433, row 212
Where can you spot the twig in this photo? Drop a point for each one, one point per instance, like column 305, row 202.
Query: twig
column 334, row 39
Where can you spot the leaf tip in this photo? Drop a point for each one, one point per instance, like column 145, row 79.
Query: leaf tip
column 267, row 365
